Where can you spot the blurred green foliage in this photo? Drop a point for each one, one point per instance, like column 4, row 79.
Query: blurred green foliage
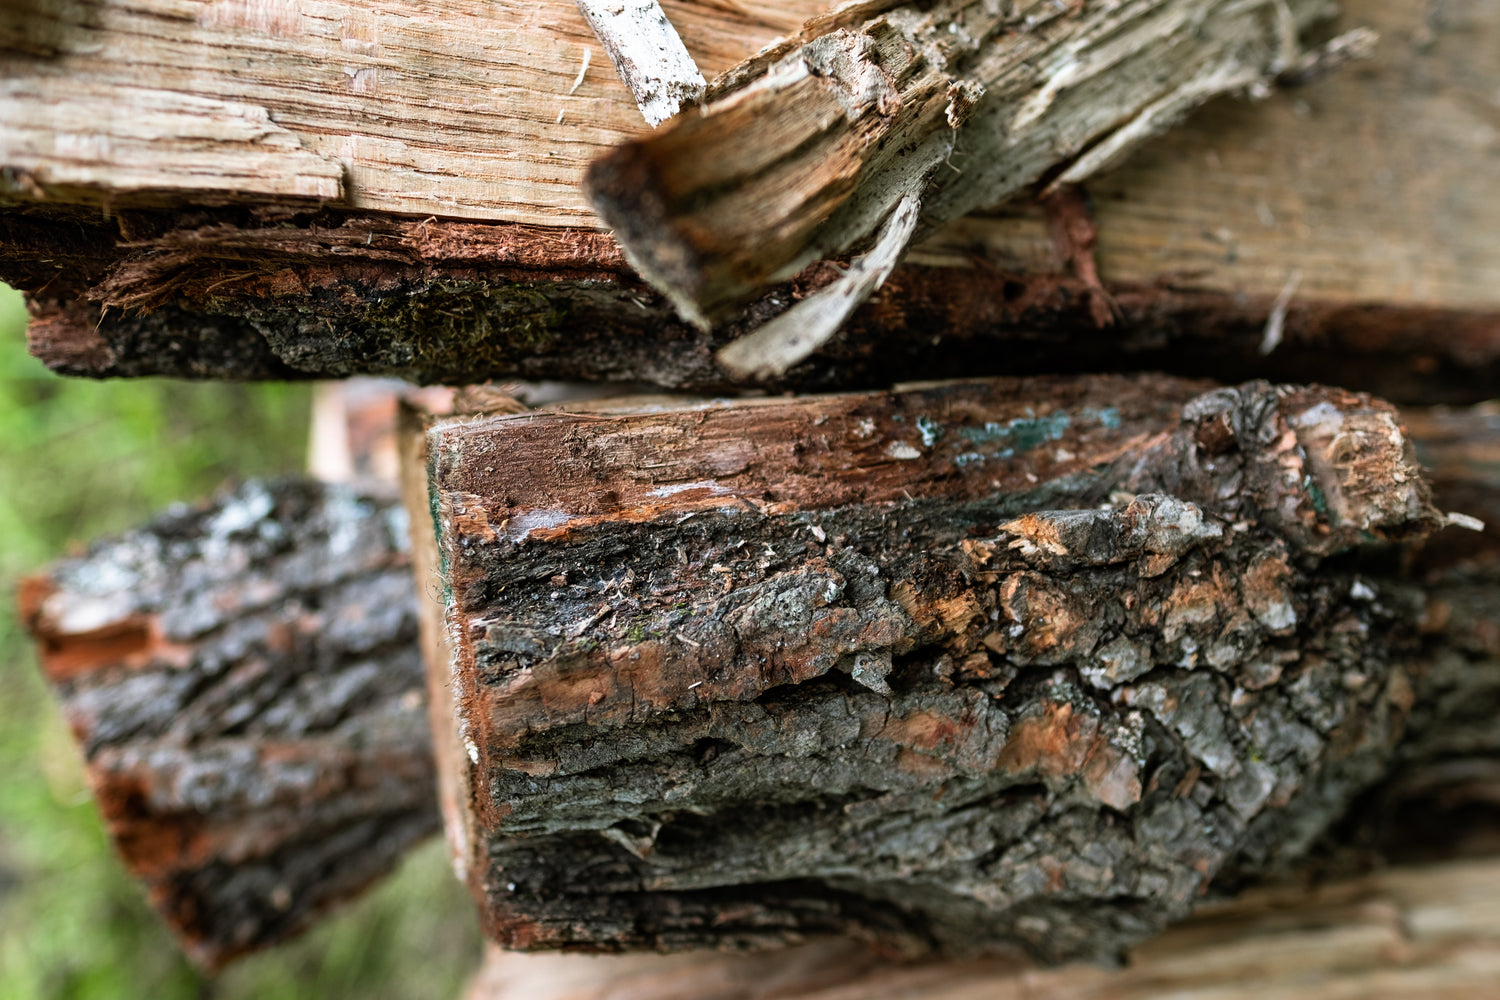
column 79, row 459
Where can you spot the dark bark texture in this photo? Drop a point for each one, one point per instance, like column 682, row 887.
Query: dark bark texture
column 246, row 685
column 220, row 294
column 1016, row 664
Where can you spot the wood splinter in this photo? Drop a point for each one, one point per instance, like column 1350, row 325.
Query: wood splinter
column 802, row 152
column 648, row 54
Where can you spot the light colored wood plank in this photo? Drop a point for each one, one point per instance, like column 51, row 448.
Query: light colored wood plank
column 1377, row 184
column 427, row 108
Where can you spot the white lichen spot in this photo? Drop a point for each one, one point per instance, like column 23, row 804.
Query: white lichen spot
column 1324, row 416
column 472, row 750
column 902, row 452
column 524, row 524
column 703, row 484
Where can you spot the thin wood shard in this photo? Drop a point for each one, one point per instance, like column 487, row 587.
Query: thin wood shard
column 961, row 103
column 794, row 335
column 648, row 54
column 246, row 685
column 971, row 666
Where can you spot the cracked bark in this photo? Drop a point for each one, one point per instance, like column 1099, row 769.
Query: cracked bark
column 246, row 686
column 740, row 674
column 1434, row 803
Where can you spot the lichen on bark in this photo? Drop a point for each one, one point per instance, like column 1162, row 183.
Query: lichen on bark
column 975, row 667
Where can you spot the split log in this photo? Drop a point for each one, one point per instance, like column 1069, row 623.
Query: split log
column 449, row 257
column 805, row 150
column 246, row 685
column 1007, row 665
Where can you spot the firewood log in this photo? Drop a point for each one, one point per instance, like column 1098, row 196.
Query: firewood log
column 1017, row 665
column 245, row 682
column 1435, row 802
column 459, row 247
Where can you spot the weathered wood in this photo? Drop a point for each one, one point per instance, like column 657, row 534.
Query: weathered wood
column 1424, row 932
column 1197, row 235
column 958, row 104
column 462, row 109
column 738, row 674
column 246, row 685
column 648, row 54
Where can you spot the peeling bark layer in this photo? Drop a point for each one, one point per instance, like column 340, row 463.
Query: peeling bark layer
column 332, row 295
column 970, row 667
column 246, row 685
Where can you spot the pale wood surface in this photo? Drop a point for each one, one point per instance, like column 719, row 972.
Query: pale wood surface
column 1417, row 933
column 1380, row 183
column 1377, row 184
column 414, row 106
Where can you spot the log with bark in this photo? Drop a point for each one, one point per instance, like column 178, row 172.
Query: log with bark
column 245, row 682
column 965, row 667
column 1435, row 803
column 347, row 207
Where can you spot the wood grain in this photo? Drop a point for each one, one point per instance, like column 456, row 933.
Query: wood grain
column 405, row 106
column 1373, row 185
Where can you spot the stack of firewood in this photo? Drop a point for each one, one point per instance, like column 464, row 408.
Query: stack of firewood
column 1173, row 583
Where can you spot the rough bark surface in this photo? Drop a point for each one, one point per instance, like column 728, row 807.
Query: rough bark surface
column 1435, row 802
column 337, row 295
column 246, row 685
column 970, row 667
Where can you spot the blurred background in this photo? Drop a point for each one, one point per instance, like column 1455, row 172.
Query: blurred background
column 79, row 460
